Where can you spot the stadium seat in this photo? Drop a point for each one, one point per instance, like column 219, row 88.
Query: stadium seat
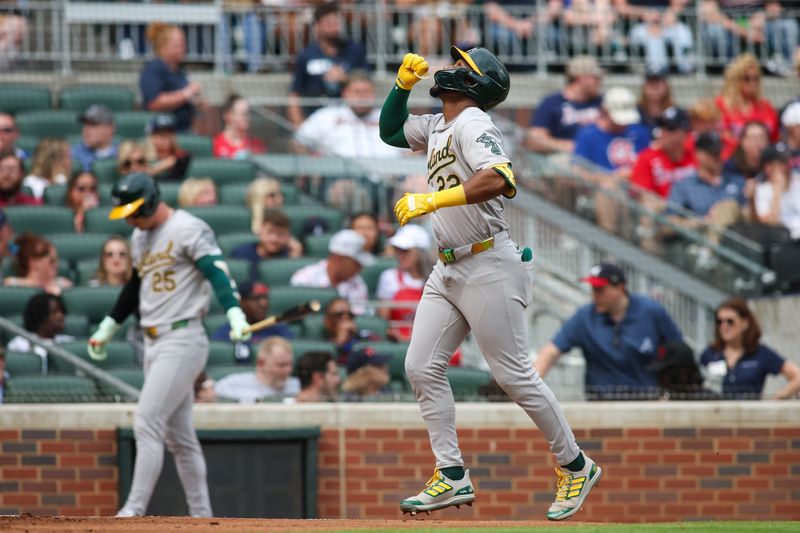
column 85, row 270
column 133, row 376
column 13, row 299
column 97, row 222
column 467, row 382
column 105, row 170
column 133, row 124
column 219, row 372
column 397, row 351
column 28, row 143
column 223, row 219
column 220, row 353
column 213, row 322
column 120, row 355
column 76, row 246
column 298, row 214
column 236, row 193
column 275, row 272
column 302, row 346
column 41, row 219
column 23, row 364
column 222, row 171
column 50, row 389
column 317, row 245
column 56, row 194
column 372, row 273
column 169, row 192
column 94, row 302
column 197, row 145
column 74, row 324
column 313, row 326
column 80, row 97
column 240, row 269
column 53, row 124
column 16, row 99
column 231, row 240
column 283, row 298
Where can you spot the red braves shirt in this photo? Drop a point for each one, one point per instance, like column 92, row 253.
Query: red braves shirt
column 20, row 199
column 225, row 149
column 656, row 172
column 733, row 123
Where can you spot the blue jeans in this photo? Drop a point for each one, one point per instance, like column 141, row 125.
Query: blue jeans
column 782, row 37
column 655, row 46
column 254, row 28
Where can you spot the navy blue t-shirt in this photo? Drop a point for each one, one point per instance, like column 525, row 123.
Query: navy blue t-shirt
column 611, row 151
column 312, row 65
column 157, row 78
column 563, row 118
column 699, row 196
column 746, row 379
column 617, row 354
column 249, row 251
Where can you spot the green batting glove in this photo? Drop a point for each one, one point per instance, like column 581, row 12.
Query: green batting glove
column 97, row 342
column 238, row 324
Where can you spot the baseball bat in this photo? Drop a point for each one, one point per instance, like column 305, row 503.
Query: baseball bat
column 294, row 313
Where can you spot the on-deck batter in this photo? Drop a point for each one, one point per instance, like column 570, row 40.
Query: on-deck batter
column 175, row 256
column 482, row 281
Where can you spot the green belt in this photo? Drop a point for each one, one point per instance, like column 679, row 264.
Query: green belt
column 154, row 331
column 448, row 255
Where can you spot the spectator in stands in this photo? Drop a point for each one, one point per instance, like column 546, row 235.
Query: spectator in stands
column 781, row 31
column 37, row 265
column 13, row 31
column 656, row 25
column 368, row 226
column 168, row 161
column 132, row 157
column 263, row 193
column 737, row 363
column 591, row 26
column 11, row 173
column 791, row 127
column 82, row 195
column 402, row 286
column 619, row 333
column 235, row 142
column 114, row 267
column 340, row 269
column 339, row 327
column 97, row 137
column 4, row 376
column 44, row 317
column 655, row 97
column 321, row 69
column 719, row 30
column 197, row 192
column 9, row 134
column 164, row 86
column 706, row 118
column 319, row 377
column 512, row 26
column 52, row 164
column 274, row 241
column 272, row 378
column 204, row 389
column 746, row 160
column 7, row 246
column 560, row 115
column 740, row 102
column 255, row 304
column 367, row 374
column 776, row 200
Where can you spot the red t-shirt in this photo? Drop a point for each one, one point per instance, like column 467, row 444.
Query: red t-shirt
column 20, row 199
column 733, row 123
column 225, row 149
column 656, row 172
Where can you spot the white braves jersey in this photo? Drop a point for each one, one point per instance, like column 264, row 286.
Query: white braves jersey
column 172, row 287
column 456, row 151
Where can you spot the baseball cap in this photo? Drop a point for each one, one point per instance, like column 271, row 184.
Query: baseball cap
column 161, row 123
column 656, row 72
column 411, row 236
column 97, row 114
column 350, row 243
column 620, row 104
column 365, row 356
column 709, row 142
column 252, row 289
column 776, row 152
column 791, row 115
column 674, row 118
column 583, row 66
column 605, row 274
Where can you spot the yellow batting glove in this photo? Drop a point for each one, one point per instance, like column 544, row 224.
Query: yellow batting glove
column 413, row 69
column 415, row 205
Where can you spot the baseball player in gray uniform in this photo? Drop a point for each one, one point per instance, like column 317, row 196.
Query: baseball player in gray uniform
column 177, row 263
column 482, row 281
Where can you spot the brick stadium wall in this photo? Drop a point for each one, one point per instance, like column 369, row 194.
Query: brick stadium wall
column 676, row 472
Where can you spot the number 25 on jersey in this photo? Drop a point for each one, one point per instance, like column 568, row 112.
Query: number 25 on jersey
column 164, row 281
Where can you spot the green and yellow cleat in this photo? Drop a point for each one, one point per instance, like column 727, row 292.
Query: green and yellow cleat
column 440, row 492
column 573, row 487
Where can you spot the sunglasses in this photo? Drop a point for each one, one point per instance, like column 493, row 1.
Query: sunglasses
column 750, row 78
column 86, row 188
column 341, row 314
column 128, row 163
column 726, row 321
column 8, row 130
column 118, row 254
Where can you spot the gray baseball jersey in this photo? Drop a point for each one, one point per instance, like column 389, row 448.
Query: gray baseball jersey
column 456, row 151
column 172, row 287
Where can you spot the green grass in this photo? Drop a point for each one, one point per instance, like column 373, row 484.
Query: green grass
column 677, row 527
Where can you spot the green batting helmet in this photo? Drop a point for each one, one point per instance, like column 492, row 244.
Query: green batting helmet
column 135, row 194
column 486, row 81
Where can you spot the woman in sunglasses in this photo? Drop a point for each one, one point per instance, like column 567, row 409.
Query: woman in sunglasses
column 114, row 265
column 132, row 158
column 737, row 363
column 37, row 265
column 81, row 196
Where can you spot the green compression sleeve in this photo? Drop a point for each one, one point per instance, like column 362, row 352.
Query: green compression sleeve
column 393, row 115
column 216, row 271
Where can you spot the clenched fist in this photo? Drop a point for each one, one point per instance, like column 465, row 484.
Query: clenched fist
column 413, row 69
column 413, row 205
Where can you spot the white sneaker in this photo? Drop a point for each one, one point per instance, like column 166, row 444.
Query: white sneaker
column 440, row 492
column 125, row 513
column 573, row 487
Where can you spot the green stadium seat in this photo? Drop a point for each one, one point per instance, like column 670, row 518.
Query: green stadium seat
column 76, row 246
column 197, row 145
column 28, row 143
column 240, row 269
column 231, row 240
column 284, row 298
column 302, row 346
column 105, row 170
column 85, row 270
column 223, row 219
column 50, row 389
column 94, row 302
column 467, row 382
column 372, row 273
column 397, row 350
column 275, row 272
column 132, row 124
column 121, row 354
column 298, row 214
column 220, row 353
column 317, row 245
column 133, row 376
column 219, row 372
column 74, row 324
column 213, row 322
column 96, row 221
column 44, row 124
column 23, row 364
column 236, row 193
column 222, row 171
column 13, row 299
column 21, row 98
column 79, row 98
column 55, row 194
column 313, row 326
column 169, row 192
column 41, row 219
